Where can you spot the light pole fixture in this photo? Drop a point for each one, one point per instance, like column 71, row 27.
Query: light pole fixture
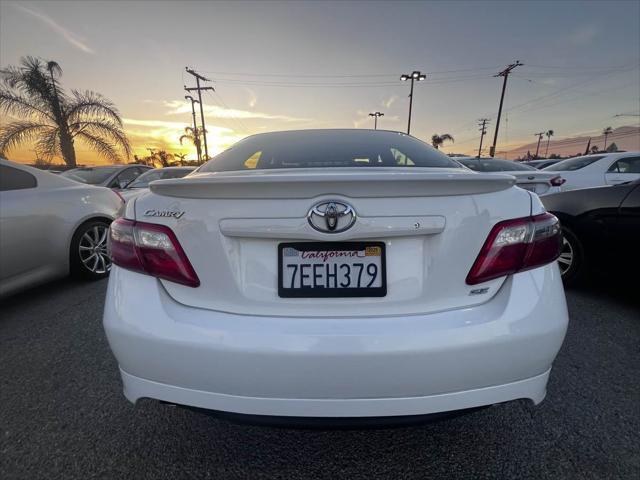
column 415, row 76
column 375, row 116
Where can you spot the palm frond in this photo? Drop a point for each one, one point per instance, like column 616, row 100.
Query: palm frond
column 15, row 133
column 32, row 80
column 191, row 138
column 446, row 136
column 12, row 103
column 54, row 68
column 48, row 144
column 107, row 130
column 11, row 76
column 101, row 146
column 91, row 104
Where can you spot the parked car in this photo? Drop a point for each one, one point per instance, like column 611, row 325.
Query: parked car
column 110, row 176
column 527, row 177
column 542, row 163
column 141, row 184
column 596, row 170
column 601, row 228
column 332, row 274
column 51, row 226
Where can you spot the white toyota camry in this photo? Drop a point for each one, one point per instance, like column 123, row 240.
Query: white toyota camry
column 335, row 274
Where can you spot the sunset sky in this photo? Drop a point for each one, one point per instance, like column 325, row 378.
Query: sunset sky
column 298, row 65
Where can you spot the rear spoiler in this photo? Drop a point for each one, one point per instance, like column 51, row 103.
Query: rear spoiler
column 309, row 183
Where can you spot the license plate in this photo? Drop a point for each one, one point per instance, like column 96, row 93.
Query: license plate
column 332, row 269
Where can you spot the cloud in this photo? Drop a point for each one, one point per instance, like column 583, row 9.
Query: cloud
column 389, row 101
column 180, row 107
column 69, row 36
column 166, row 135
column 583, row 35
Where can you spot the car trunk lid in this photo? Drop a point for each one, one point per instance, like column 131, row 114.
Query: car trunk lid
column 432, row 223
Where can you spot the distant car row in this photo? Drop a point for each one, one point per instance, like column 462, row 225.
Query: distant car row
column 563, row 175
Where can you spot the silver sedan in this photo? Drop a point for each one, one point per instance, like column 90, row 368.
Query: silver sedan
column 51, row 226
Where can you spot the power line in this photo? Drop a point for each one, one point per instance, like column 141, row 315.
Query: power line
column 238, row 124
column 439, row 81
column 360, row 75
column 556, row 93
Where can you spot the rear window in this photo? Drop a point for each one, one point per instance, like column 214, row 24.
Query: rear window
column 573, row 163
column 493, row 165
column 328, row 149
column 159, row 174
column 15, row 179
column 92, row 176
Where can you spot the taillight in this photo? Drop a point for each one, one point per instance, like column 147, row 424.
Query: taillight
column 517, row 245
column 151, row 249
column 557, row 181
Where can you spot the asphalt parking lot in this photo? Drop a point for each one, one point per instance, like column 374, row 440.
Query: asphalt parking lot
column 62, row 414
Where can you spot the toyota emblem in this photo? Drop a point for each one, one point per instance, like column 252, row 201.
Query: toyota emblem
column 331, row 217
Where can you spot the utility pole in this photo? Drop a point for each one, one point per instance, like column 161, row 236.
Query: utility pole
column 196, row 139
column 504, row 73
column 483, row 130
column 416, row 76
column 539, row 135
column 375, row 116
column 199, row 89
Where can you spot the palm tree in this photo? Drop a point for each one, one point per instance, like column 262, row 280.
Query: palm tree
column 182, row 158
column 160, row 157
column 606, row 132
column 54, row 119
column 549, row 134
column 193, row 136
column 438, row 140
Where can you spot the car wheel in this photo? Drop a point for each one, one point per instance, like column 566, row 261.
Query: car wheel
column 571, row 259
column 89, row 257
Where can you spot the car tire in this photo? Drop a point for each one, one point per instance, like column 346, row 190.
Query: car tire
column 571, row 260
column 89, row 259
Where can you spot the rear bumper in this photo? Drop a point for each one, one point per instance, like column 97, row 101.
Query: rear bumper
column 531, row 388
column 331, row 367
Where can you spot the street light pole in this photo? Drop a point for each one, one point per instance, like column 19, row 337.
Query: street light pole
column 375, row 116
column 196, row 138
column 415, row 76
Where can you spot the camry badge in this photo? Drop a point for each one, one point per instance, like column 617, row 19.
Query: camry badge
column 331, row 217
column 163, row 213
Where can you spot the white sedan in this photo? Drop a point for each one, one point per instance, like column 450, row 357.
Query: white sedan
column 141, row 184
column 334, row 275
column 527, row 177
column 597, row 170
column 51, row 226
